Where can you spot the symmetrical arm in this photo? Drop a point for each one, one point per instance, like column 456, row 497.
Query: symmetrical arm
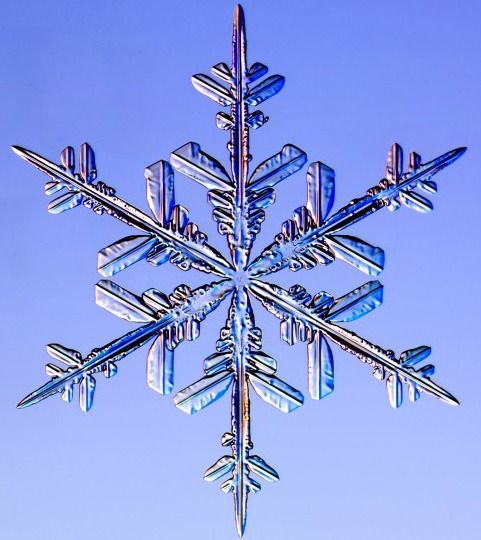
column 169, row 236
column 239, row 361
column 239, row 200
column 311, row 237
column 169, row 319
column 313, row 319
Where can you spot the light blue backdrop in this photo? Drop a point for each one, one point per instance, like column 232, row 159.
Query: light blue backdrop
column 360, row 75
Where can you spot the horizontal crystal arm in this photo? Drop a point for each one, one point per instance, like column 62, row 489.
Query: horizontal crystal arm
column 204, row 254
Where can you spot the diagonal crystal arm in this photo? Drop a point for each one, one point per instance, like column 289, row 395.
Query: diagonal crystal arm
column 278, row 298
column 208, row 259
column 202, row 301
column 278, row 255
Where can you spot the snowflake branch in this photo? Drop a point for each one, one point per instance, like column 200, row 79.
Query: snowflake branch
column 191, row 307
column 241, row 323
column 239, row 201
column 239, row 361
column 308, row 238
column 241, row 239
column 102, row 198
column 297, row 308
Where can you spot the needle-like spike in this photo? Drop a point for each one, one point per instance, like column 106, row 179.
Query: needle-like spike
column 240, row 503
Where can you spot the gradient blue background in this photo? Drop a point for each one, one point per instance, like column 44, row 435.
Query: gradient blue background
column 360, row 75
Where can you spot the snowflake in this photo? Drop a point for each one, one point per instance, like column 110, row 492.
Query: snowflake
column 311, row 237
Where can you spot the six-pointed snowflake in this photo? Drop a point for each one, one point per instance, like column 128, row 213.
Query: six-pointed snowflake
column 240, row 198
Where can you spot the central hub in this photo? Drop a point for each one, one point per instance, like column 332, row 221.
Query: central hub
column 241, row 278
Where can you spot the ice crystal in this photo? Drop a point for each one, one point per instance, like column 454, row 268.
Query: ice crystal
column 314, row 235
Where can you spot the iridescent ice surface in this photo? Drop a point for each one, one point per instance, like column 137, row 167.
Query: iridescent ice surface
column 240, row 194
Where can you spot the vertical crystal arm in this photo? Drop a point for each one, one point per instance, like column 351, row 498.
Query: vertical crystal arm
column 239, row 142
column 242, row 321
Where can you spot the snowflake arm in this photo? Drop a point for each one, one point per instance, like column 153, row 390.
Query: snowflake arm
column 170, row 320
column 182, row 242
column 240, row 200
column 313, row 318
column 240, row 362
column 311, row 236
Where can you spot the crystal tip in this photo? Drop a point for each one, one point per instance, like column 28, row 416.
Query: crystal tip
column 22, row 404
column 453, row 401
column 18, row 150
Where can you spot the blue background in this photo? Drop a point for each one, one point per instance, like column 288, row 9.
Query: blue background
column 360, row 75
